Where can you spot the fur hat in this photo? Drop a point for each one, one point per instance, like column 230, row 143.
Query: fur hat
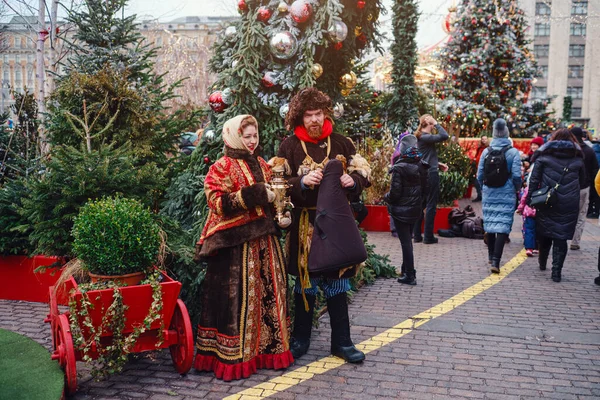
column 306, row 100
column 407, row 142
column 500, row 129
column 538, row 140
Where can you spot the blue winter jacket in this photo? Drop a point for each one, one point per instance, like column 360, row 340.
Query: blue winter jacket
column 499, row 204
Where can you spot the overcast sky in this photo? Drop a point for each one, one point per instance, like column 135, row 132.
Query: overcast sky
column 430, row 24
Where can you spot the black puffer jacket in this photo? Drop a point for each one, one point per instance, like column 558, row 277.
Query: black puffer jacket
column 558, row 221
column 408, row 189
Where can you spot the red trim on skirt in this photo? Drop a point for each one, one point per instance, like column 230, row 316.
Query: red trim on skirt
column 229, row 372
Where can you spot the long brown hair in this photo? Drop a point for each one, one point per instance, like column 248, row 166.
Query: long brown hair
column 422, row 118
column 563, row 134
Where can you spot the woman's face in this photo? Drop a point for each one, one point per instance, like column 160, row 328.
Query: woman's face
column 534, row 147
column 250, row 138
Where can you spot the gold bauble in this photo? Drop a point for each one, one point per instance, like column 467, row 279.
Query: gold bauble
column 345, row 92
column 370, row 17
column 317, row 70
column 348, row 81
column 282, row 7
column 357, row 30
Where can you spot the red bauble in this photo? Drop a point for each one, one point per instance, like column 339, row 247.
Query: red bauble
column 215, row 100
column 338, row 46
column 301, row 11
column 474, row 21
column 264, row 14
column 206, row 160
column 375, row 94
column 360, row 4
column 242, row 6
column 362, row 38
column 267, row 80
column 464, row 38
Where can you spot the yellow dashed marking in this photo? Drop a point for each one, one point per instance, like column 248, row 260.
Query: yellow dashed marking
column 302, row 374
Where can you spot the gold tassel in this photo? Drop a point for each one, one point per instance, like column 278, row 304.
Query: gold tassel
column 303, row 250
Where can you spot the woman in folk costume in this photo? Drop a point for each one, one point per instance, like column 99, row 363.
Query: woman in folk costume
column 243, row 323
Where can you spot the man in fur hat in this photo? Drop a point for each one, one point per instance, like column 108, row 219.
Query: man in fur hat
column 307, row 152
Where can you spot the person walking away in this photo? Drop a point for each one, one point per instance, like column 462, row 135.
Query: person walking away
column 405, row 198
column 499, row 174
column 559, row 165
column 243, row 323
column 426, row 142
column 306, row 151
column 590, row 164
column 528, row 213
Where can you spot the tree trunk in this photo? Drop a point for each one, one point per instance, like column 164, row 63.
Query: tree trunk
column 53, row 62
column 40, row 73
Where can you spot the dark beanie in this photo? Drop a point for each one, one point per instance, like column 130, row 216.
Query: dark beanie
column 578, row 133
column 500, row 129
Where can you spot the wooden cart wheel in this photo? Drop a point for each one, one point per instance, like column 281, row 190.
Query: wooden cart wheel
column 65, row 353
column 182, row 353
column 52, row 317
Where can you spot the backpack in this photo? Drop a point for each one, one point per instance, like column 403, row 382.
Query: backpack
column 472, row 228
column 495, row 168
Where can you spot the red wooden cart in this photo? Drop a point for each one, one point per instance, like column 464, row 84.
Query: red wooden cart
column 177, row 332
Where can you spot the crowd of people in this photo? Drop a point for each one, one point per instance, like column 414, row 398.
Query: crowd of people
column 245, row 322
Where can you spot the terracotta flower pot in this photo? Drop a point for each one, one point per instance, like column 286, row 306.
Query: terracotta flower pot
column 127, row 280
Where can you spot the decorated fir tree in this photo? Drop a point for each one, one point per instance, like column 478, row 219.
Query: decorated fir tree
column 402, row 105
column 489, row 69
column 276, row 48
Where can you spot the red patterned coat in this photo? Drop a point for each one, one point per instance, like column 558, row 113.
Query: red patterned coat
column 239, row 210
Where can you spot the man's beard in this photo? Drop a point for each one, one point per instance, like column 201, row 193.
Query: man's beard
column 315, row 131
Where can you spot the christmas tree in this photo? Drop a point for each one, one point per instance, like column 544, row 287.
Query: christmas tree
column 402, row 111
column 262, row 60
column 489, row 68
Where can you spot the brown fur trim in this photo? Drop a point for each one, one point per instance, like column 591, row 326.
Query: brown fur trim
column 238, row 235
column 233, row 203
column 307, row 99
column 254, row 195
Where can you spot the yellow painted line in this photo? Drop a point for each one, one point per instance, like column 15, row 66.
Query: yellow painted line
column 302, row 374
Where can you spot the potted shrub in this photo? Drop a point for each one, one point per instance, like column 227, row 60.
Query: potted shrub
column 110, row 317
column 116, row 239
column 379, row 154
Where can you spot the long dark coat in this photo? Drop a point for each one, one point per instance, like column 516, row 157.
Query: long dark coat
column 558, row 221
column 409, row 186
column 291, row 150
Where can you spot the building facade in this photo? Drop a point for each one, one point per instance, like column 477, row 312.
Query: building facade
column 566, row 44
column 183, row 51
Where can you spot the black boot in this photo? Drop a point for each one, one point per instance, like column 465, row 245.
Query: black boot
column 300, row 341
column 407, row 280
column 495, row 268
column 341, row 343
column 543, row 257
column 558, row 259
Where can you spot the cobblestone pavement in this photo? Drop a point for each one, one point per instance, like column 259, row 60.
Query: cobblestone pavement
column 526, row 337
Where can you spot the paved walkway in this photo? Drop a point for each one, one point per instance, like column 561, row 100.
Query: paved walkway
column 458, row 334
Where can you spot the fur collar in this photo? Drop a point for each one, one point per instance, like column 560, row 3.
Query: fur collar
column 251, row 160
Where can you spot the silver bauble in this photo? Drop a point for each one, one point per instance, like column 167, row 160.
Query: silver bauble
column 283, row 110
column 338, row 31
column 208, row 135
column 227, row 99
column 234, row 63
column 338, row 110
column 230, row 32
column 283, row 45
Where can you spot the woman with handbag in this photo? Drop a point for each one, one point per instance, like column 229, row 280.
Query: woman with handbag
column 554, row 192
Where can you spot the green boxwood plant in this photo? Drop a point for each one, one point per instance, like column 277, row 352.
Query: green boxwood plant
column 116, row 236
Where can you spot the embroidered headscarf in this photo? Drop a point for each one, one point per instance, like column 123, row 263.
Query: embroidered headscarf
column 232, row 131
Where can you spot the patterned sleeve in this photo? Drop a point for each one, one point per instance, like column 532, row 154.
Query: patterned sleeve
column 224, row 198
